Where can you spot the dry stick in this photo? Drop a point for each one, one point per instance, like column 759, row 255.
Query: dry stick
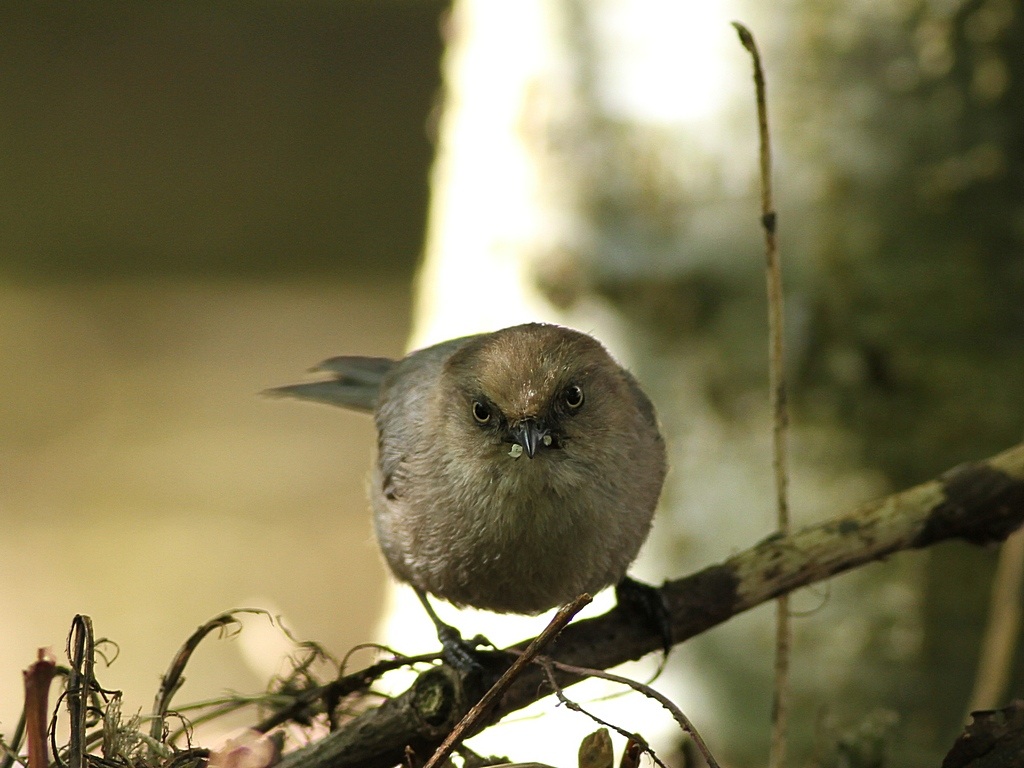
column 350, row 683
column 634, row 738
column 80, row 650
column 678, row 715
column 1003, row 627
column 780, row 416
column 38, row 677
column 173, row 679
column 481, row 708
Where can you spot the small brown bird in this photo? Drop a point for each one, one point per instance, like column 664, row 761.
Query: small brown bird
column 515, row 469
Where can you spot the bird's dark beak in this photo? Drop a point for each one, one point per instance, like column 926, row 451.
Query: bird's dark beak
column 530, row 435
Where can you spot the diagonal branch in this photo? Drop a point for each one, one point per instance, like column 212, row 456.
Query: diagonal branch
column 980, row 502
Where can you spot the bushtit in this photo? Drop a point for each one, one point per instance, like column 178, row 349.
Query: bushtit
column 515, row 469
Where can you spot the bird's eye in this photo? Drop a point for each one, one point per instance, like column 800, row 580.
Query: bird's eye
column 573, row 396
column 481, row 412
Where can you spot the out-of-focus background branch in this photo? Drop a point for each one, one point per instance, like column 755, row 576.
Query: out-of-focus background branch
column 201, row 202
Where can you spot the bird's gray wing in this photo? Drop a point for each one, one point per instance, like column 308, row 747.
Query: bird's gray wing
column 354, row 383
column 404, row 425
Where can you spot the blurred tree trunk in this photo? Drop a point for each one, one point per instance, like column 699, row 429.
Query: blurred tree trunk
column 596, row 165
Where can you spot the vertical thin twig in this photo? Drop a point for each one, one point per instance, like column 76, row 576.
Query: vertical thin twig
column 81, row 649
column 1003, row 628
column 780, row 415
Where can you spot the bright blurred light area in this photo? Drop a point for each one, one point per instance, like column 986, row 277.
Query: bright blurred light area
column 665, row 61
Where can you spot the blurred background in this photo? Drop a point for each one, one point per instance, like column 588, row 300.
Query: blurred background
column 200, row 202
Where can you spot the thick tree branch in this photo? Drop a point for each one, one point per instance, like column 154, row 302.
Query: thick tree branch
column 980, row 503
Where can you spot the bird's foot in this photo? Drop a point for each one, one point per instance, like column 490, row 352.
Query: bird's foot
column 460, row 653
column 465, row 656
column 647, row 600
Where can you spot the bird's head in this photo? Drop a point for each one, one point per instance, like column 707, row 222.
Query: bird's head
column 530, row 390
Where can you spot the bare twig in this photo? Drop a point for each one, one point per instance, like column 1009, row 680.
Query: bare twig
column 677, row 714
column 80, row 651
column 482, row 707
column 1003, row 628
column 343, row 686
column 173, row 679
column 548, row 666
column 780, row 414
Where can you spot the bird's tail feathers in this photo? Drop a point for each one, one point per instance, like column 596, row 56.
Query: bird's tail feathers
column 354, row 383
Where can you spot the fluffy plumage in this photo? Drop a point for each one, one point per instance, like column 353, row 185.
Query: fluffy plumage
column 515, row 469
